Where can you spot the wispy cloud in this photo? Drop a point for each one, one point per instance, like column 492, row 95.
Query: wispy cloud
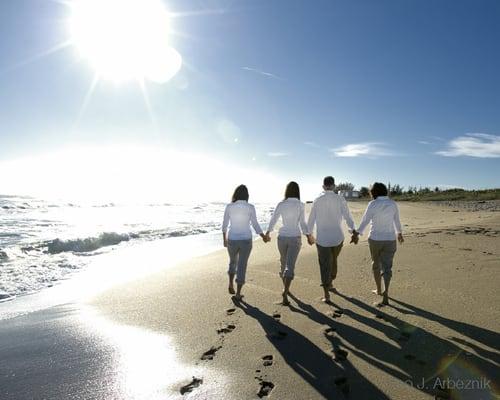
column 312, row 144
column 480, row 145
column 263, row 73
column 425, row 142
column 368, row 149
column 277, row 154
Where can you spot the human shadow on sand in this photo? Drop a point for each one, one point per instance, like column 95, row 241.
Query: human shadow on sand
column 316, row 367
column 475, row 333
column 418, row 357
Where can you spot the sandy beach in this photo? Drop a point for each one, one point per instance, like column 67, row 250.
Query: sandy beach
column 148, row 339
column 443, row 322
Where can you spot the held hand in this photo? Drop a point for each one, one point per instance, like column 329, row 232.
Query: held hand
column 400, row 238
column 355, row 237
column 310, row 240
column 264, row 238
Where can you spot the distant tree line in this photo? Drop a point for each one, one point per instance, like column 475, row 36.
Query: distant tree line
column 414, row 193
column 395, row 189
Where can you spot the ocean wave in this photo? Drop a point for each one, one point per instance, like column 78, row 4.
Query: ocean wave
column 86, row 245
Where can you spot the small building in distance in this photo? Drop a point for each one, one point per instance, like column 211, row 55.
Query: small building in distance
column 350, row 194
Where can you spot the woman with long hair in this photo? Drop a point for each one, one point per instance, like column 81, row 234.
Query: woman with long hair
column 291, row 211
column 383, row 214
column 239, row 215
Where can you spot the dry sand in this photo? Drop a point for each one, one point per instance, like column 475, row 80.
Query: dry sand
column 443, row 322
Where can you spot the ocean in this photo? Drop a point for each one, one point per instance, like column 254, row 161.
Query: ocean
column 44, row 244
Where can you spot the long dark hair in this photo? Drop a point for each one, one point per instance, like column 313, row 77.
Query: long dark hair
column 240, row 193
column 292, row 190
column 378, row 189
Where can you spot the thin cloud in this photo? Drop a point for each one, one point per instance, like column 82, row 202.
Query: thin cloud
column 312, row 144
column 368, row 149
column 277, row 154
column 425, row 142
column 479, row 145
column 263, row 73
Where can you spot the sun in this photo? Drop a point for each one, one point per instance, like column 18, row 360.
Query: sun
column 124, row 39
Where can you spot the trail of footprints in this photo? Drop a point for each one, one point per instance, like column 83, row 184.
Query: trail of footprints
column 266, row 386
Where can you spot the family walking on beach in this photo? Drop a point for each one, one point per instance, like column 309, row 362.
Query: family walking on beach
column 327, row 213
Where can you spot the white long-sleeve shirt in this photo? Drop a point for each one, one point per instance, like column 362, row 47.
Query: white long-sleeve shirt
column 327, row 213
column 383, row 214
column 238, row 216
column 291, row 211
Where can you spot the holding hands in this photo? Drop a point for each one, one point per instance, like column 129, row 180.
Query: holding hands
column 400, row 238
column 354, row 237
column 265, row 237
column 311, row 240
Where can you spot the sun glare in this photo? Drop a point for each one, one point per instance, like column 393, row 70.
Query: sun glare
column 124, row 39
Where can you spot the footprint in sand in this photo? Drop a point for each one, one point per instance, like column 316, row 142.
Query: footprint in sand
column 210, row 354
column 265, row 388
column 337, row 314
column 329, row 332
column 342, row 383
column 227, row 329
column 277, row 316
column 409, row 357
column 268, row 360
column 405, row 336
column 230, row 311
column 191, row 385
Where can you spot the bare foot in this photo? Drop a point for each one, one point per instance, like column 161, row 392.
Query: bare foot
column 238, row 297
column 375, row 291
column 285, row 301
column 326, row 300
column 231, row 290
column 382, row 303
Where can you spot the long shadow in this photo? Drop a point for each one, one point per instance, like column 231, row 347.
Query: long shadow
column 476, row 333
column 418, row 357
column 330, row 379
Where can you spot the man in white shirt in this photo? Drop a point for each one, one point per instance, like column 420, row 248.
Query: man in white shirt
column 327, row 213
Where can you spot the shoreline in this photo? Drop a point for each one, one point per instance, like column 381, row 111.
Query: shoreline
column 389, row 351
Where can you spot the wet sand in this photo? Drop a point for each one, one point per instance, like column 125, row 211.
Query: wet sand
column 440, row 336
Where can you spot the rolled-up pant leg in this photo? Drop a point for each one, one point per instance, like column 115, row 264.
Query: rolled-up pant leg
column 386, row 258
column 233, row 251
column 382, row 252
column 335, row 253
column 239, row 252
column 375, row 251
column 325, row 257
column 289, row 248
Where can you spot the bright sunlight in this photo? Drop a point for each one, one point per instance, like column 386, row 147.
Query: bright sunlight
column 125, row 39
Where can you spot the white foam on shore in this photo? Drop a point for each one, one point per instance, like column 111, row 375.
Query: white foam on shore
column 118, row 267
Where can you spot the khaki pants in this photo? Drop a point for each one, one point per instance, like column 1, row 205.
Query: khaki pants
column 382, row 252
column 327, row 257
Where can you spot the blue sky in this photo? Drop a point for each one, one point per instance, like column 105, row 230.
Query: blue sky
column 404, row 91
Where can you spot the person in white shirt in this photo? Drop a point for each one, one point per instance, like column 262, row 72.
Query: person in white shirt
column 238, row 216
column 383, row 214
column 327, row 213
column 291, row 211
